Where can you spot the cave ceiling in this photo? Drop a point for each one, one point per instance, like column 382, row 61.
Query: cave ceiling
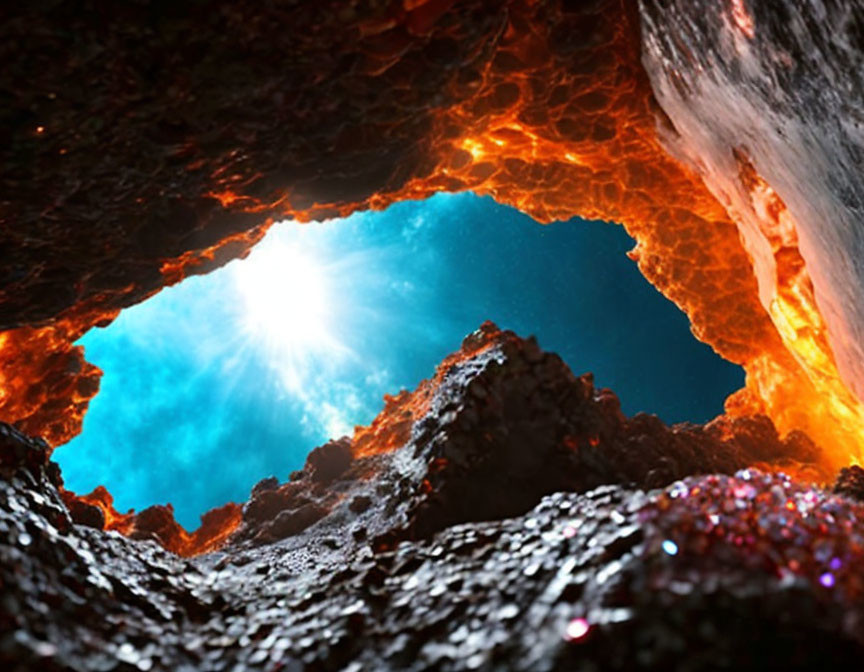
column 149, row 142
column 144, row 142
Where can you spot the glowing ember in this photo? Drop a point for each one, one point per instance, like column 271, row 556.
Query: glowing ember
column 812, row 396
column 742, row 18
column 158, row 521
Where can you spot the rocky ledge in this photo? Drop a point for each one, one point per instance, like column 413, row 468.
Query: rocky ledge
column 505, row 515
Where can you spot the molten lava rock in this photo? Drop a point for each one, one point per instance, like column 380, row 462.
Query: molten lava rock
column 459, row 548
column 145, row 143
column 505, row 515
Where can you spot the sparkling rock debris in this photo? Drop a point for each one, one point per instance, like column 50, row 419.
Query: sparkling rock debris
column 527, row 526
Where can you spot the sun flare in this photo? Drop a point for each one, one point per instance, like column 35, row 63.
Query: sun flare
column 287, row 303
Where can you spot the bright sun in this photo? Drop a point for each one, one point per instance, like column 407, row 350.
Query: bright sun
column 287, row 304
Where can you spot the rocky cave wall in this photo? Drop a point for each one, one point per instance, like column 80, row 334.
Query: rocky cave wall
column 513, row 528
column 787, row 167
column 147, row 143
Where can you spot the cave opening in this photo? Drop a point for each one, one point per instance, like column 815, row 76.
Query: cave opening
column 150, row 143
column 235, row 376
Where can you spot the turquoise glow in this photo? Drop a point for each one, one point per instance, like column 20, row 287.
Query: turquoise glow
column 208, row 389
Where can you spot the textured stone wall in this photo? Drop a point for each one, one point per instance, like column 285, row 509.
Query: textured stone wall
column 147, row 143
column 510, row 531
column 767, row 103
column 502, row 515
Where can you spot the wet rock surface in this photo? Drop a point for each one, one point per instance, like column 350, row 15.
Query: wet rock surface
column 795, row 75
column 787, row 164
column 459, row 550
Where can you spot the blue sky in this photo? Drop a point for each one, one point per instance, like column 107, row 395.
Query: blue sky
column 231, row 377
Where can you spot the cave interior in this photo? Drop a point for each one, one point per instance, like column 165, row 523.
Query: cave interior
column 505, row 514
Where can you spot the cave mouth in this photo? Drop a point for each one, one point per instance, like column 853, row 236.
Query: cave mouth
column 213, row 381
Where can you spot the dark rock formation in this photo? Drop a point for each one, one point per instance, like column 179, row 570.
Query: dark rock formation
column 145, row 143
column 499, row 517
column 766, row 103
column 457, row 550
column 850, row 482
column 506, row 424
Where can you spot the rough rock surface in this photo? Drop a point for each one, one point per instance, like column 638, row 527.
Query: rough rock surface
column 458, row 550
column 786, row 165
column 146, row 143
column 505, row 515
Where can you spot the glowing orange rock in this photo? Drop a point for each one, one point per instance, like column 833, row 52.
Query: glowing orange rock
column 45, row 382
column 158, row 523
column 547, row 109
